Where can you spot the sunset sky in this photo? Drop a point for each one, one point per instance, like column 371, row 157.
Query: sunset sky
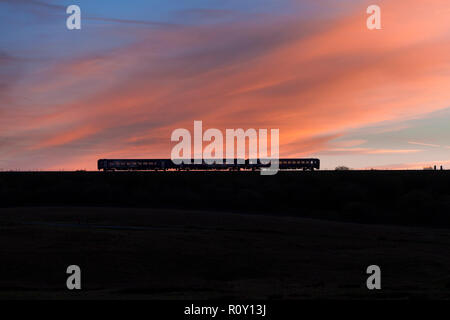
column 139, row 69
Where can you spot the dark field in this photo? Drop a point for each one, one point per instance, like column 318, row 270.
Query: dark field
column 419, row 198
column 214, row 235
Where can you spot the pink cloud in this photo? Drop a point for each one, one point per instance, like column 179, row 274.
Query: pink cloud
column 314, row 86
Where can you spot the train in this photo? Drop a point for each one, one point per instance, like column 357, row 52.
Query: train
column 310, row 164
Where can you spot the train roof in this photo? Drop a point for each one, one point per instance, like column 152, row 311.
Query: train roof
column 224, row 159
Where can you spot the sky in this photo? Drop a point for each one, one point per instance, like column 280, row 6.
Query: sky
column 139, row 69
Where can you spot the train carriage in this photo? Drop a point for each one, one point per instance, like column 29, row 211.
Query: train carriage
column 203, row 165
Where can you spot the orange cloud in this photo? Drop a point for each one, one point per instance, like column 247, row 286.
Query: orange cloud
column 414, row 165
column 313, row 85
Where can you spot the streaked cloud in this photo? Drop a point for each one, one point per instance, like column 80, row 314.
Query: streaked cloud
column 337, row 151
column 424, row 144
column 316, row 79
column 349, row 143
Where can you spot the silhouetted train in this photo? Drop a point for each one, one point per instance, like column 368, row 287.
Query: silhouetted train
column 167, row 164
